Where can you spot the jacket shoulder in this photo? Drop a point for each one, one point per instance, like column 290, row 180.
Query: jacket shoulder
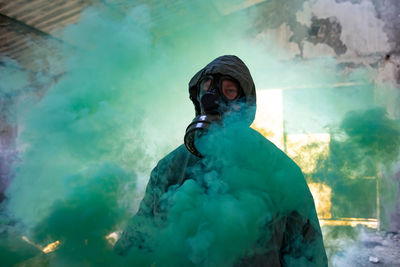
column 175, row 155
column 171, row 169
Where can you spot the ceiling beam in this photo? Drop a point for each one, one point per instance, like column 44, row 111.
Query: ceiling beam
column 27, row 28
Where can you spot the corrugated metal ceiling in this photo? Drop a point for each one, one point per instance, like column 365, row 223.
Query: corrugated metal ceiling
column 25, row 23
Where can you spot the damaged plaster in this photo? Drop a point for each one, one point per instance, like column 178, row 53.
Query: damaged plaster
column 362, row 32
column 389, row 12
column 327, row 31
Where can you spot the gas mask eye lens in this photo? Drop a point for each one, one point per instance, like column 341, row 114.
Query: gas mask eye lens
column 205, row 86
column 229, row 89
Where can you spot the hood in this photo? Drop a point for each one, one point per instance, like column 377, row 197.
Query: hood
column 234, row 67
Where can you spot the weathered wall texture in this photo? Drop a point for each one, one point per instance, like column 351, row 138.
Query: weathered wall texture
column 358, row 33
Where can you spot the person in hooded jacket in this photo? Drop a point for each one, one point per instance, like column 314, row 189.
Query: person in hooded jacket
column 223, row 87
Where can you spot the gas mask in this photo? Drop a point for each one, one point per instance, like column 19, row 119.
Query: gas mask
column 217, row 95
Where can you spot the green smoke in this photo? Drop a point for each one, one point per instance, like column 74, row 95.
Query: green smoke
column 87, row 147
column 374, row 133
column 365, row 144
column 230, row 209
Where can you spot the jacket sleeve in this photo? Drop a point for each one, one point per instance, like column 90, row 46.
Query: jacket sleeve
column 302, row 242
column 151, row 214
column 155, row 188
column 138, row 228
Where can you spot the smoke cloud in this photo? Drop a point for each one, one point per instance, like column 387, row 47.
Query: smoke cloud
column 86, row 148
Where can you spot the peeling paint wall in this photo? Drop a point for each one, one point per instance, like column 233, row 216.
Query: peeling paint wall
column 350, row 28
column 358, row 33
